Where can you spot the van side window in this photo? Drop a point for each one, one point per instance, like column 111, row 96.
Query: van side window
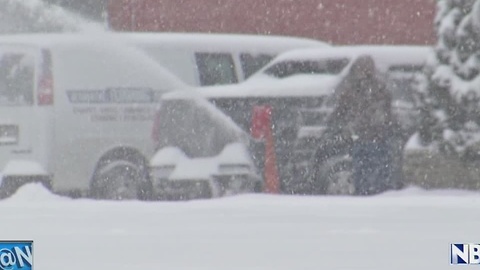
column 17, row 77
column 253, row 63
column 216, row 68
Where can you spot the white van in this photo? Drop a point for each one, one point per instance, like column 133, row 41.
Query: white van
column 213, row 59
column 78, row 110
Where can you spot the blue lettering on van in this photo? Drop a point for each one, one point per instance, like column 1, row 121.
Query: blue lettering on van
column 114, row 95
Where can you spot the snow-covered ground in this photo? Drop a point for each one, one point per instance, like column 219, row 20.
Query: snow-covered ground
column 410, row 229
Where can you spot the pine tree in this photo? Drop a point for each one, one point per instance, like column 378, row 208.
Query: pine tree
column 38, row 16
column 450, row 102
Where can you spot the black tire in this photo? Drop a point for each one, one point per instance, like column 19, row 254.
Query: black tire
column 121, row 180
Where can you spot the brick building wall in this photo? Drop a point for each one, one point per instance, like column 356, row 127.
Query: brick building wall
column 335, row 21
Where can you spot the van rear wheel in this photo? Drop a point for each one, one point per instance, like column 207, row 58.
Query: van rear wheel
column 120, row 180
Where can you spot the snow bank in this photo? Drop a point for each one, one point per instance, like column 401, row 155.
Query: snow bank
column 35, row 193
column 245, row 232
column 417, row 192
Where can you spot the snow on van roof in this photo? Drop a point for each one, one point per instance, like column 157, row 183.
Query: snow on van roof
column 80, row 41
column 229, row 41
column 384, row 53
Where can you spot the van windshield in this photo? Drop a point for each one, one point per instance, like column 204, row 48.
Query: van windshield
column 17, row 73
column 216, row 68
column 291, row 68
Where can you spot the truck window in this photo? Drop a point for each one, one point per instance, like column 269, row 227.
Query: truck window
column 307, row 67
column 17, row 73
column 216, row 68
column 253, row 63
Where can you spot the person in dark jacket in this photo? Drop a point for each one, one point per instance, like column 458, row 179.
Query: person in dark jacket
column 362, row 124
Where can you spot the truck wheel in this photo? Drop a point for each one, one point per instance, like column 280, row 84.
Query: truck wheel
column 121, row 180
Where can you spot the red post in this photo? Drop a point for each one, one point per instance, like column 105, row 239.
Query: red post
column 262, row 130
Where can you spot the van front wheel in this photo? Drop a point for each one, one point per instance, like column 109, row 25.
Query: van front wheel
column 120, row 180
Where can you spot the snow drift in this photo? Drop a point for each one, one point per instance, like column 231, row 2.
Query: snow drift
column 409, row 229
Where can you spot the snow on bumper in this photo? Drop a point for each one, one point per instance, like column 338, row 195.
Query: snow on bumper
column 23, row 168
column 19, row 172
column 173, row 172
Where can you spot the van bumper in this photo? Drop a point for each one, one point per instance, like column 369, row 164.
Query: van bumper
column 23, row 168
column 20, row 172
